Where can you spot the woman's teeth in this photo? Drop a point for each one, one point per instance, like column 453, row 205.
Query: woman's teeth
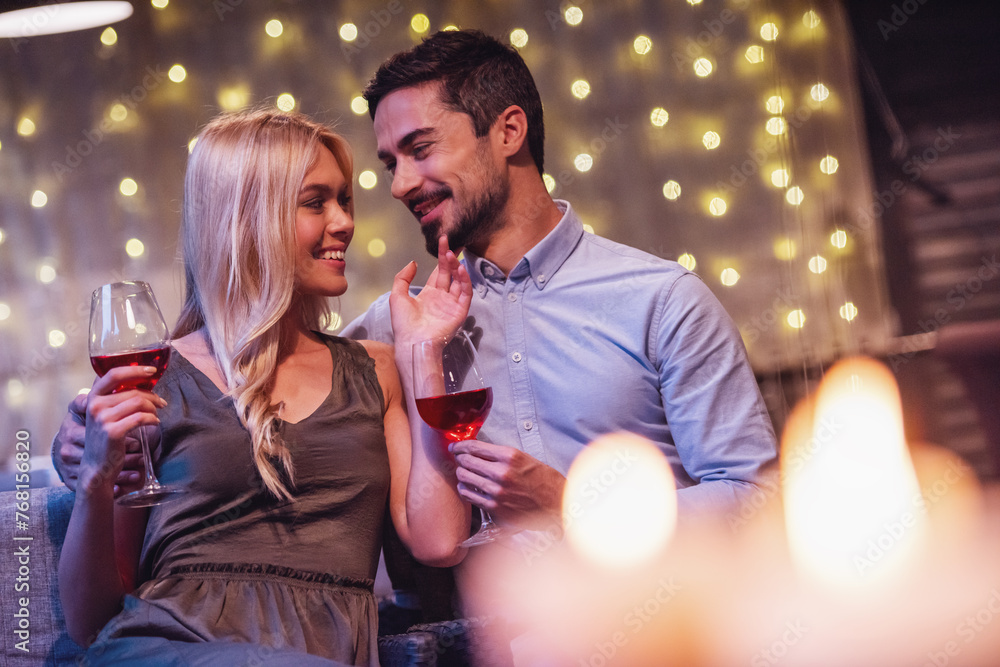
column 332, row 254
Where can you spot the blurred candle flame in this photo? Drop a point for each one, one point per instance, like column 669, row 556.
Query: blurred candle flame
column 849, row 482
column 620, row 501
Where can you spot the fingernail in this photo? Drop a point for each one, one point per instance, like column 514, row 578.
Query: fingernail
column 162, row 402
column 149, row 370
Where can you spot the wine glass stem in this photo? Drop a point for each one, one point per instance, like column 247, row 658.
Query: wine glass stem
column 147, row 461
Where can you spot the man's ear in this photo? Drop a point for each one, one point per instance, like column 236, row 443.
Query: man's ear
column 511, row 130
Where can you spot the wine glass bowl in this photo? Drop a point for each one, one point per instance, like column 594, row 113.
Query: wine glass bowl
column 453, row 398
column 128, row 329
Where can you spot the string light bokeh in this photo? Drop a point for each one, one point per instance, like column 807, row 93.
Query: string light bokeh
column 722, row 134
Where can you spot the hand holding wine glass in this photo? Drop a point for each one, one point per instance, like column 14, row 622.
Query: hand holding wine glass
column 453, row 398
column 128, row 330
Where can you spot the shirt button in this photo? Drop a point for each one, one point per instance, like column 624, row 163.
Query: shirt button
column 482, row 290
column 512, row 297
column 516, row 356
column 541, row 278
column 488, row 271
column 527, row 424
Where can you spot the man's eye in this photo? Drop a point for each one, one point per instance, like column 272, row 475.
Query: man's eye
column 420, row 150
column 390, row 167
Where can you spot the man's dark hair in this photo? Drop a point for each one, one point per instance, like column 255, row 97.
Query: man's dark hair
column 480, row 77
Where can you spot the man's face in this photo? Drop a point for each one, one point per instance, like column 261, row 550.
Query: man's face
column 453, row 182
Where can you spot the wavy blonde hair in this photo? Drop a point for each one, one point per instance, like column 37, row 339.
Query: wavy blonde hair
column 238, row 233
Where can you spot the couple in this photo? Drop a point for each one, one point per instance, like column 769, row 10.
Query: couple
column 579, row 336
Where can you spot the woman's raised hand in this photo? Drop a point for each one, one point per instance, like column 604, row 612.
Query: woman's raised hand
column 440, row 308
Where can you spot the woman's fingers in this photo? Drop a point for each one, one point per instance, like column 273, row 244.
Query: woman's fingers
column 128, row 376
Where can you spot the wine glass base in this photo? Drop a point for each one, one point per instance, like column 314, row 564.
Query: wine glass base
column 149, row 496
column 485, row 535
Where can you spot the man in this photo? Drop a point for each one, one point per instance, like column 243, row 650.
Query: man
column 579, row 335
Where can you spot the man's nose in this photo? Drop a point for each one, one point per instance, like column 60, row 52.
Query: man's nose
column 405, row 179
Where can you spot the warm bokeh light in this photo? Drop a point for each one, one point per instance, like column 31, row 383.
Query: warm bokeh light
column 135, row 248
column 702, row 67
column 688, row 261
column 811, row 19
column 56, row 338
column 191, row 144
column 118, row 112
column 642, row 45
column 4, row 311
column 367, row 179
column 109, row 37
column 46, row 272
column 580, row 88
column 420, row 23
column 583, row 162
column 796, row 319
column 573, row 15
column 160, row 4
column 39, row 199
column 794, row 196
column 711, row 140
column 769, row 32
column 588, row 228
column 26, row 127
column 819, row 92
column 273, row 28
column 285, row 102
column 376, row 247
column 128, row 187
column 848, row 311
column 785, row 249
column 717, row 206
column 780, row 178
column 694, row 2
column 177, row 73
column 839, row 239
column 348, row 32
column 774, row 104
column 849, row 483
column 550, row 183
column 3, row 236
column 659, row 117
column 829, row 165
column 620, row 502
column 754, row 54
column 671, row 190
column 232, row 98
column 729, row 277
column 519, row 37
column 359, row 105
column 817, row 264
column 775, row 125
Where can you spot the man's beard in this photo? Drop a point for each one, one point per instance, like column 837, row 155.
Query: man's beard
column 476, row 222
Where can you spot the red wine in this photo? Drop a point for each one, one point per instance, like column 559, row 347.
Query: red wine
column 157, row 357
column 458, row 416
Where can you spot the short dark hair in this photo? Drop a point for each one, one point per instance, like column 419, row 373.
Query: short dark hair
column 480, row 77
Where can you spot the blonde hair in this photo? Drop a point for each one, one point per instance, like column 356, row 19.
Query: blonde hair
column 238, row 232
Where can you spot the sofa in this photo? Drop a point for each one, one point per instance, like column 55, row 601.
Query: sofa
column 33, row 629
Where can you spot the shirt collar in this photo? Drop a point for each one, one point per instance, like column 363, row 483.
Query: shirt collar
column 541, row 262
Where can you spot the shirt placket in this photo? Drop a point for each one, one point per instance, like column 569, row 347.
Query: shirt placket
column 518, row 358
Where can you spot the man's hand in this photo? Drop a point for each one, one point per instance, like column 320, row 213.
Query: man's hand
column 67, row 450
column 514, row 487
column 440, row 308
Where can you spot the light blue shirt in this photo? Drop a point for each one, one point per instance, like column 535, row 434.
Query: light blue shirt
column 587, row 336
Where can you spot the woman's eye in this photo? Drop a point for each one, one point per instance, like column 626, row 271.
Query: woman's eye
column 345, row 202
column 315, row 204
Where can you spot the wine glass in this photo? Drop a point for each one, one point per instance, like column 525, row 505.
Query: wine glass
column 453, row 399
column 127, row 329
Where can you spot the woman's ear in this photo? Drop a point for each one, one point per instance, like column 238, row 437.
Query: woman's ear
column 511, row 130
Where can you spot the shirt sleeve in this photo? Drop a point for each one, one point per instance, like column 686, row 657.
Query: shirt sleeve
column 713, row 406
column 374, row 324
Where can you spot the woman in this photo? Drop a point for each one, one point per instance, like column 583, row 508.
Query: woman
column 288, row 441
